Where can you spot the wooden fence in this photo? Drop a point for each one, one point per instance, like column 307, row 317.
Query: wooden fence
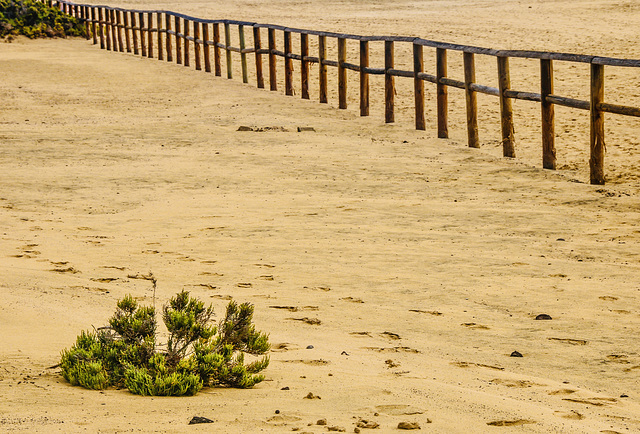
column 142, row 32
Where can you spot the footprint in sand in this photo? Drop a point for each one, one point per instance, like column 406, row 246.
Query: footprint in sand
column 475, row 326
column 306, row 320
column 352, row 300
column 597, row 402
column 515, row 383
column 393, row 350
column 430, row 312
column 562, row 392
column 569, row 341
column 392, row 336
column 574, row 415
column 514, row 422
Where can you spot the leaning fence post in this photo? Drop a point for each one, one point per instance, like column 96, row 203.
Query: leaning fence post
column 205, row 47
column 418, row 85
column 227, row 44
column 160, row 48
column 506, row 112
column 389, row 83
column 322, row 68
column 143, row 44
column 547, row 111
column 273, row 84
column 304, row 65
column 134, row 33
column 288, row 64
column 150, row 34
column 196, row 45
column 364, row 78
column 257, row 46
column 186, row 31
column 596, row 159
column 471, row 100
column 167, row 23
column 243, row 55
column 216, row 49
column 442, row 93
column 342, row 73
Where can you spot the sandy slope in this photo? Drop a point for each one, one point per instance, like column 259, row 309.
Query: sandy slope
column 425, row 262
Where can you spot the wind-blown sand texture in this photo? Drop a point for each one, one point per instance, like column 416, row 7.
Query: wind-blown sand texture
column 424, row 262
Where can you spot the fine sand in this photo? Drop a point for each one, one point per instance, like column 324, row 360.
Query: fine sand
column 395, row 272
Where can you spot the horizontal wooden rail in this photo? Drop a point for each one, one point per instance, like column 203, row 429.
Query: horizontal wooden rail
column 108, row 25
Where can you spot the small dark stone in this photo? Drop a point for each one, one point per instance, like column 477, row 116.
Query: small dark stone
column 516, row 354
column 309, row 347
column 277, row 411
column 560, row 239
column 199, row 419
column 306, row 129
column 344, row 353
column 624, row 395
column 285, row 388
column 245, row 128
column 543, row 316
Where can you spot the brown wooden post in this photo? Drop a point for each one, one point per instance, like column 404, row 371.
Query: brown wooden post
column 322, row 68
column 160, row 45
column 418, row 86
column 94, row 27
column 342, row 73
column 364, row 78
column 187, row 26
column 101, row 28
column 119, row 27
column 304, row 65
column 107, row 28
column 288, row 65
column 257, row 43
column 216, row 49
column 196, row 45
column 596, row 160
column 548, row 112
column 150, row 33
column 143, row 44
column 471, row 99
column 389, row 83
column 114, row 30
column 125, row 20
column 167, row 23
column 87, row 21
column 273, row 84
column 205, row 47
column 227, row 44
column 178, row 41
column 506, row 111
column 243, row 55
column 134, row 33
column 442, row 93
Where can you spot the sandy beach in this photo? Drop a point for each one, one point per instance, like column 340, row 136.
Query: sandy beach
column 395, row 272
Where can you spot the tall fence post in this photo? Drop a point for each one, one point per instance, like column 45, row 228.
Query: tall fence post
column 342, row 73
column 257, row 45
column 548, row 112
column 243, row 55
column 273, row 83
column 107, row 28
column 205, row 47
column 160, row 45
column 304, row 65
column 322, row 68
column 101, row 28
column 125, row 21
column 506, row 112
column 389, row 83
column 134, row 33
column 176, row 21
column 227, row 44
column 216, row 49
column 143, row 44
column 196, row 45
column 596, row 159
column 93, row 25
column 471, row 100
column 364, row 78
column 150, row 34
column 418, row 85
column 167, row 24
column 442, row 93
column 87, row 21
column 288, row 65
column 121, row 29
column 114, row 30
column 187, row 30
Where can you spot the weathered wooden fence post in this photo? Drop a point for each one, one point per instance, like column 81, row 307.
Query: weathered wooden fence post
column 418, row 85
column 227, row 44
column 216, row 49
column 134, row 33
column 273, row 84
column 143, row 44
column 160, row 45
column 206, row 52
column 389, row 83
column 125, row 20
column 101, row 28
column 506, row 112
column 342, row 73
column 87, row 21
column 119, row 25
column 257, row 45
column 107, row 28
column 187, row 30
column 442, row 93
column 150, row 34
column 94, row 27
column 167, row 23
column 243, row 55
column 596, row 159
column 114, row 30
column 547, row 111
column 364, row 78
column 304, row 65
column 322, row 68
column 196, row 45
column 288, row 65
column 471, row 100
column 177, row 24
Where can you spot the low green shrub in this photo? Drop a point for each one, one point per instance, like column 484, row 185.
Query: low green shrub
column 198, row 352
column 35, row 19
